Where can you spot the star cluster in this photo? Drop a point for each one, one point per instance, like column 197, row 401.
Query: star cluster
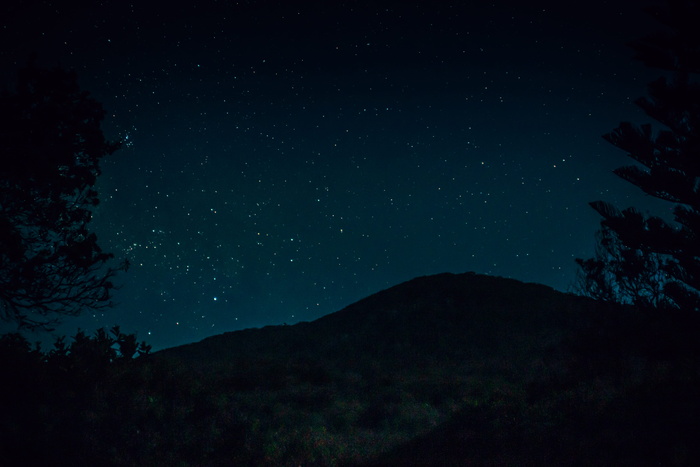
column 283, row 160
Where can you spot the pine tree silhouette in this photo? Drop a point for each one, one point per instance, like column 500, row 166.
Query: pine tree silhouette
column 645, row 260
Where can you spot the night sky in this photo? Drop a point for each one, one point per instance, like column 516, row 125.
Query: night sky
column 284, row 159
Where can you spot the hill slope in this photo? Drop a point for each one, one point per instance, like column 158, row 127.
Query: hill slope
column 445, row 315
column 451, row 369
column 464, row 368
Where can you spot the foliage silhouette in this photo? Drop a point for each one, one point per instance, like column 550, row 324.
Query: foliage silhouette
column 47, row 396
column 51, row 145
column 645, row 260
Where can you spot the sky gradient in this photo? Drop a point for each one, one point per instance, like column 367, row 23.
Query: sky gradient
column 285, row 159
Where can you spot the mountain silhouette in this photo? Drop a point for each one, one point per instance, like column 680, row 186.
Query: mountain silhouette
column 449, row 369
column 464, row 369
column 440, row 316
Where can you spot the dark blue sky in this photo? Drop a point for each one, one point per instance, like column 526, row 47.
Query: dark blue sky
column 285, row 159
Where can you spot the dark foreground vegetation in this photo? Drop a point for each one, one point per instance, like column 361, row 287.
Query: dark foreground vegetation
column 442, row 370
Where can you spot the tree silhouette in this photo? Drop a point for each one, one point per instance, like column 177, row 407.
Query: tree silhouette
column 51, row 144
column 645, row 260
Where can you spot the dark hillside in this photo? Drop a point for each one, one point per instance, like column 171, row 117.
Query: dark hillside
column 440, row 370
column 453, row 369
column 440, row 316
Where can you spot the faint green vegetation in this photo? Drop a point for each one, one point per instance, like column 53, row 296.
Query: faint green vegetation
column 600, row 392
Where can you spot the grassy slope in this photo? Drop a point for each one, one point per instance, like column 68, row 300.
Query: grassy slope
column 461, row 368
column 441, row 370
